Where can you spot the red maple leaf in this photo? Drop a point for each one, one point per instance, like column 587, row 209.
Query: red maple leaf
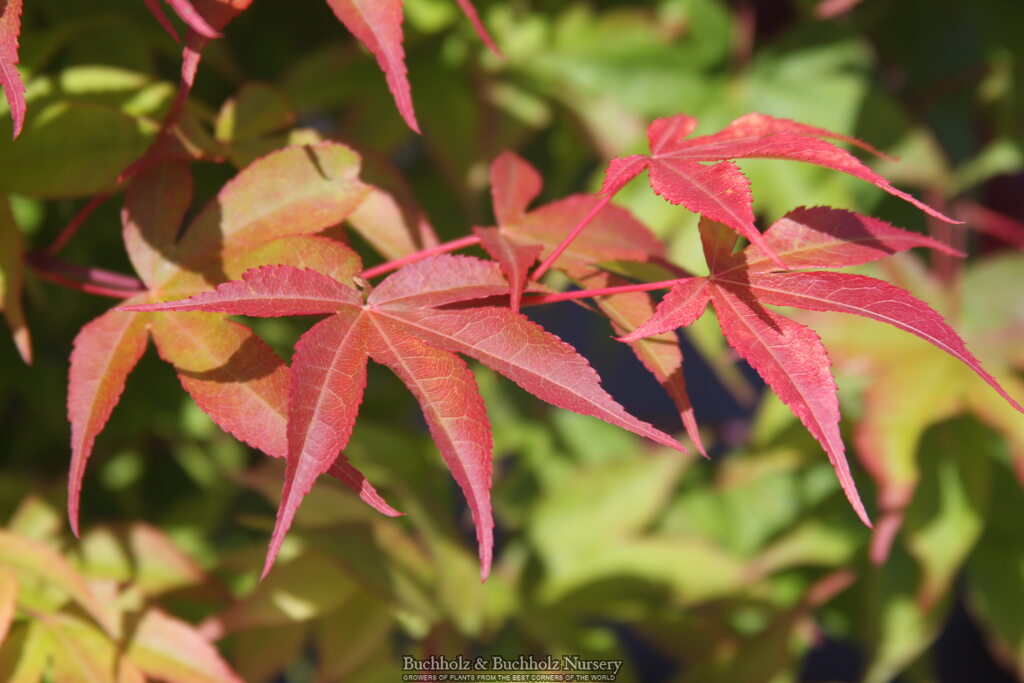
column 789, row 356
column 719, row 191
column 268, row 214
column 411, row 324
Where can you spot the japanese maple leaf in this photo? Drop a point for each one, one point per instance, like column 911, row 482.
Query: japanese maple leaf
column 267, row 214
column 986, row 306
column 411, row 323
column 719, row 191
column 789, row 356
column 378, row 25
column 10, row 79
column 614, row 234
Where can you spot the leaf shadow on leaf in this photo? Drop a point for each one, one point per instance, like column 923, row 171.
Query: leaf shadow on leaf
column 738, row 285
column 315, row 162
column 237, row 369
column 166, row 241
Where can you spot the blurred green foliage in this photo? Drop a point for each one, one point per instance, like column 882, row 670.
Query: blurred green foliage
column 747, row 568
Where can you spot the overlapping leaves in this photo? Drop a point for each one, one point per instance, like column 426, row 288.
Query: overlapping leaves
column 719, row 191
column 412, row 323
column 85, row 618
column 790, row 357
column 269, row 213
column 613, row 234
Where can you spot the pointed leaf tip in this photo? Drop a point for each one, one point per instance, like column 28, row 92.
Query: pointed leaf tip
column 474, row 18
column 378, row 25
column 455, row 414
column 105, row 352
column 794, row 363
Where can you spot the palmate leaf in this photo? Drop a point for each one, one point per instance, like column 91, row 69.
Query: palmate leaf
column 268, row 214
column 411, row 324
column 678, row 170
column 522, row 236
column 788, row 356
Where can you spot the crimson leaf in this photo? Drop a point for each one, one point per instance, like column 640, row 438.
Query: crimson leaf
column 612, row 235
column 267, row 214
column 788, row 356
column 407, row 324
column 720, row 191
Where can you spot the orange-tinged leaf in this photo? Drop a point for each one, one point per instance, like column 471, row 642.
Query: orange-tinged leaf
column 105, row 352
column 12, row 251
column 613, row 235
column 155, row 205
column 231, row 374
column 294, row 191
column 266, row 214
column 309, row 252
column 393, row 229
column 378, row 25
column 168, row 649
column 10, row 79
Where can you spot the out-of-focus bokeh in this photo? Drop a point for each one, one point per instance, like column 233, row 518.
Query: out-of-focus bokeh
column 747, row 568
